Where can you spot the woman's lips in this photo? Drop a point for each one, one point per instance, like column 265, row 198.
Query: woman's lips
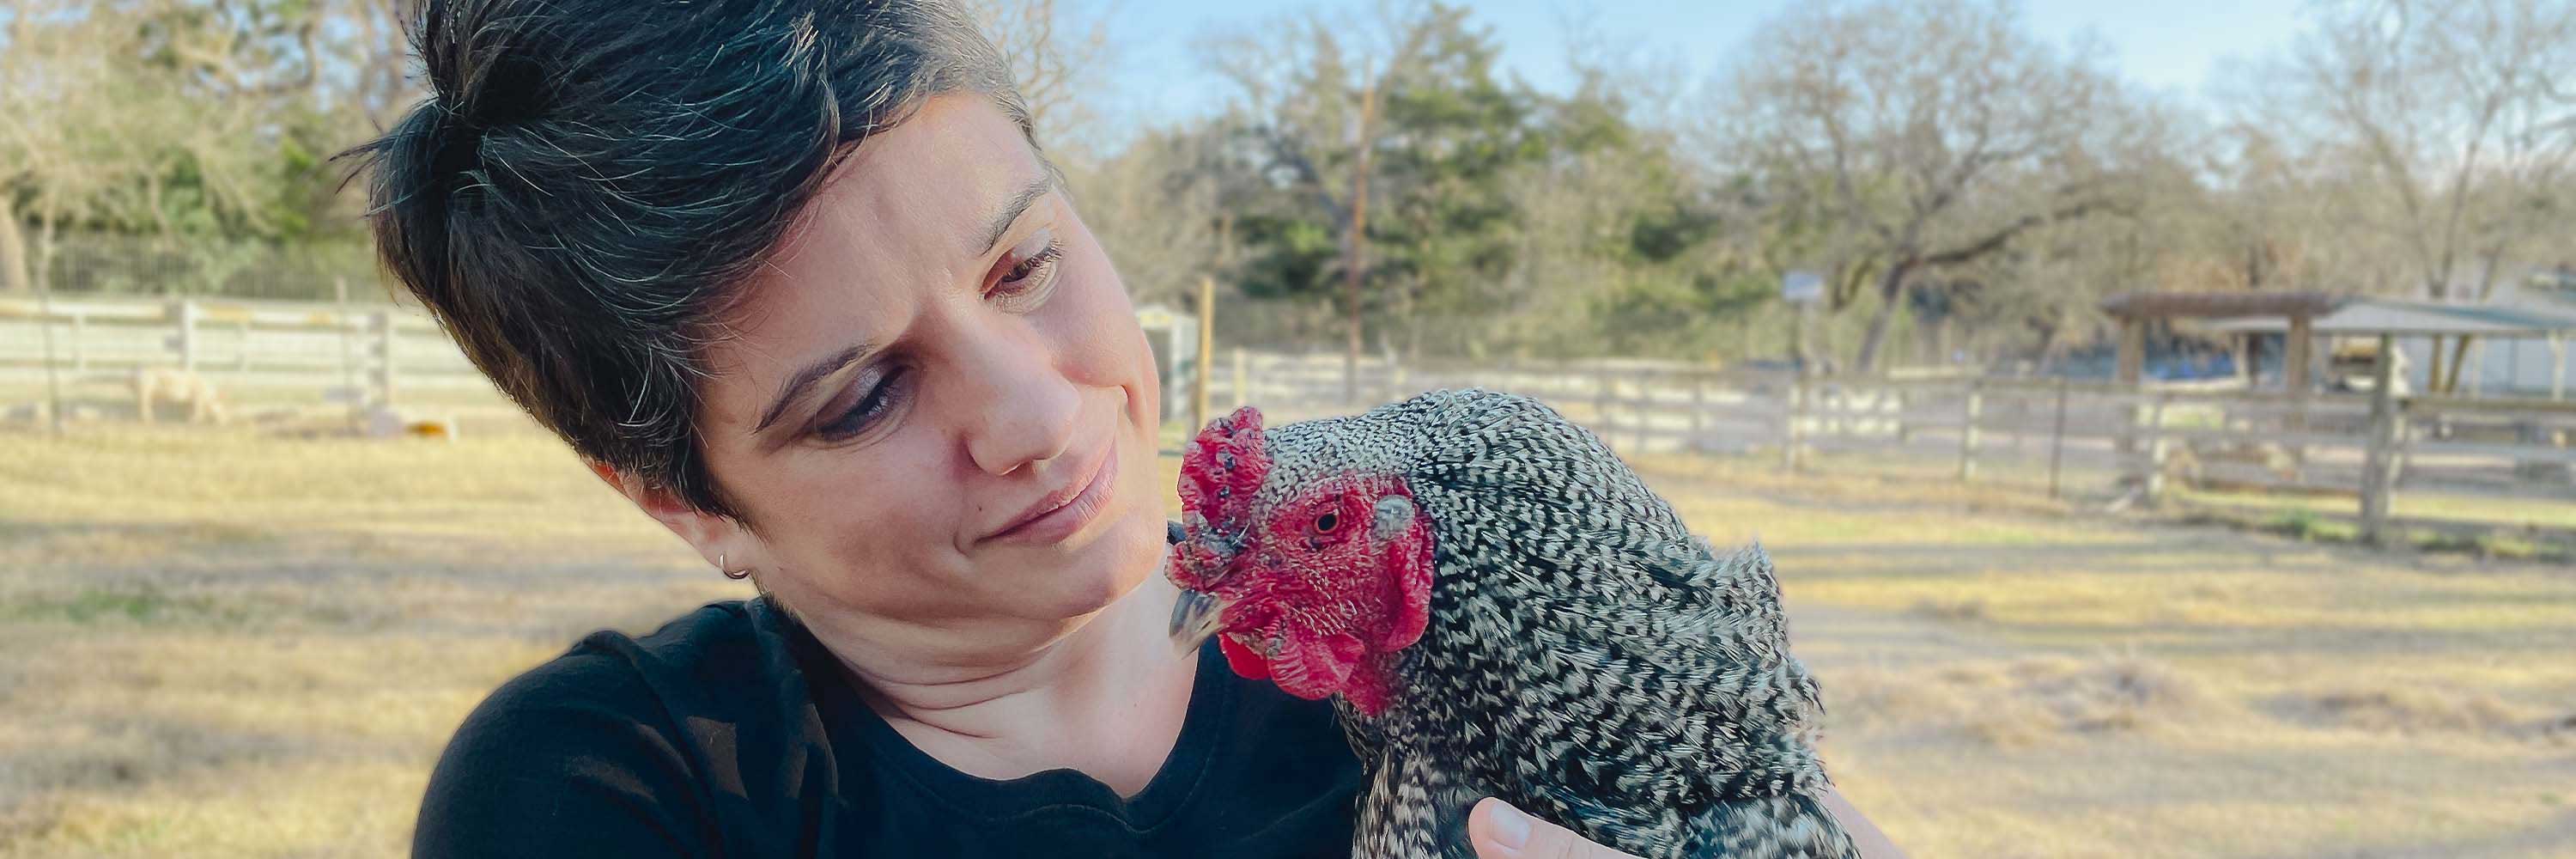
column 1069, row 518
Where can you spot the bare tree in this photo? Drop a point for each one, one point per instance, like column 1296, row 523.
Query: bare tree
column 1160, row 207
column 111, row 103
column 1930, row 133
column 369, row 36
column 1311, row 89
column 2456, row 120
column 1053, row 55
column 67, row 143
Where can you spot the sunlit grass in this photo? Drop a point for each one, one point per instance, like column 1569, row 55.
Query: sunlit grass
column 223, row 643
column 220, row 643
column 2014, row 676
column 2500, row 511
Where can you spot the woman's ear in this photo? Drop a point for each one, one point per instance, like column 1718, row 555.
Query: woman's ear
column 719, row 539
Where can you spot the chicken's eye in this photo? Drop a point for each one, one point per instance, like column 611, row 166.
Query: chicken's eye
column 1326, row 523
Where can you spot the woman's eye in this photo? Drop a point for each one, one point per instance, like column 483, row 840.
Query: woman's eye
column 849, row 421
column 1026, row 272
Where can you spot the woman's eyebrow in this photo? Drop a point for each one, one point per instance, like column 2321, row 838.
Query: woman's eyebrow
column 795, row 386
column 1010, row 212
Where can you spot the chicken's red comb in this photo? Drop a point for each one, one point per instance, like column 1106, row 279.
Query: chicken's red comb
column 1221, row 471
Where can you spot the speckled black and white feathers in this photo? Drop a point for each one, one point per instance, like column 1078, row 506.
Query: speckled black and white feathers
column 1588, row 660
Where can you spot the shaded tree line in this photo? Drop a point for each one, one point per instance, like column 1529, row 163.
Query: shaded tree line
column 1377, row 182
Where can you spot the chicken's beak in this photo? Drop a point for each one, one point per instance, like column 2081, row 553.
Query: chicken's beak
column 1195, row 617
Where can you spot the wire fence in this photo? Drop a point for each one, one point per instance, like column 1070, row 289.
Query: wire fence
column 90, row 266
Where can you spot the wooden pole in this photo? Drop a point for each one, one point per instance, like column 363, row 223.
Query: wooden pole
column 2132, row 371
column 185, row 312
column 340, row 323
column 2156, row 448
column 2380, row 458
column 1968, row 431
column 2557, row 366
column 2246, row 354
column 2296, row 357
column 1207, row 353
column 45, row 329
column 2133, row 351
column 2057, row 439
column 2473, row 364
column 2433, row 375
column 1899, row 399
column 384, row 324
column 1699, row 410
column 1242, row 379
column 1790, row 419
column 1355, row 251
column 1601, row 400
column 1644, row 410
column 2297, row 361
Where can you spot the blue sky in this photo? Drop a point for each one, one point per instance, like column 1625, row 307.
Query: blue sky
column 2168, row 45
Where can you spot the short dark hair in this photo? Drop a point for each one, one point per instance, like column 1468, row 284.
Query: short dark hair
column 590, row 180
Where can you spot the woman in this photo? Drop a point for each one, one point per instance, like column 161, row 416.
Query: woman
column 795, row 279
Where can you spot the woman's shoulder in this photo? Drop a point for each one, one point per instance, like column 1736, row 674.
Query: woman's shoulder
column 690, row 725
column 704, row 656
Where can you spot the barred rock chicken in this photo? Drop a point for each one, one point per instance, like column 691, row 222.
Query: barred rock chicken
column 1500, row 607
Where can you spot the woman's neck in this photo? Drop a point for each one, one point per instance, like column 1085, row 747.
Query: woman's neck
column 1104, row 695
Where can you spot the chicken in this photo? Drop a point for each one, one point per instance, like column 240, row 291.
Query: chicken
column 1499, row 606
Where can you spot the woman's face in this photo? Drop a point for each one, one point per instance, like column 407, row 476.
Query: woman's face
column 935, row 408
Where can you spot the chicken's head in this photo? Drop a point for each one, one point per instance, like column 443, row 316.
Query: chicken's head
column 1310, row 571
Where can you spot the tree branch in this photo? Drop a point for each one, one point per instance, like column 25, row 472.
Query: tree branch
column 1996, row 240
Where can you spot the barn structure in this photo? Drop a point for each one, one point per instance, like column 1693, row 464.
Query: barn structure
column 2309, row 324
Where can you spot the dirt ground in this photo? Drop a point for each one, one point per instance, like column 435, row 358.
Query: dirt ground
column 219, row 643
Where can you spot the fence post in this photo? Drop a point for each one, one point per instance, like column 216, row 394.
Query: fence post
column 184, row 312
column 1645, row 412
column 2557, row 366
column 1968, row 431
column 80, row 357
column 1899, row 399
column 2378, row 470
column 241, row 355
column 2156, row 447
column 1242, row 380
column 384, row 325
column 2057, row 439
column 1601, row 382
column 1699, row 411
column 1200, row 371
column 53, row 375
column 1791, row 431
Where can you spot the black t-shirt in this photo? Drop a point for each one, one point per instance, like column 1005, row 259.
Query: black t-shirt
column 731, row 732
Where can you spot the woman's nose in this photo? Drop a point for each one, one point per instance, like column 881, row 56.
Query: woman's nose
column 1020, row 409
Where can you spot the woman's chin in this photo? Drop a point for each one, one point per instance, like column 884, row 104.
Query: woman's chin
column 1125, row 555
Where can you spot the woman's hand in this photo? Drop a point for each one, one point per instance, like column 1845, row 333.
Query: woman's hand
column 1500, row 831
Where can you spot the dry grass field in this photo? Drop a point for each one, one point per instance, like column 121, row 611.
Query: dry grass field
column 215, row 643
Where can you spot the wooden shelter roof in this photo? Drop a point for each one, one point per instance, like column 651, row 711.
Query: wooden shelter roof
column 2219, row 305
column 2367, row 316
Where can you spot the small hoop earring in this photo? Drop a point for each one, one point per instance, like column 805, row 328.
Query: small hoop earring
column 729, row 572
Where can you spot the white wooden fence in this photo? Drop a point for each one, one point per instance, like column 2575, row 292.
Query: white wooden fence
column 1984, row 429
column 346, row 353
column 2136, row 440
column 361, row 354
